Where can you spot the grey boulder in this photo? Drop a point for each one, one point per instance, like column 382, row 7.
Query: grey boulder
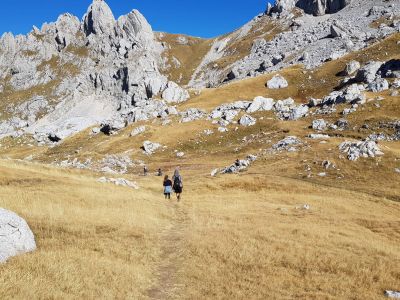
column 15, row 236
column 367, row 74
column 277, row 82
column 261, row 104
column 247, row 120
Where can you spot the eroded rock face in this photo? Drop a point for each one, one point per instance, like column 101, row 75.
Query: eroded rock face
column 313, row 7
column 15, row 236
column 109, row 70
column 322, row 7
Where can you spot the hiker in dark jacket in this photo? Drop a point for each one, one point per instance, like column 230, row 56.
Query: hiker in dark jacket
column 167, row 187
column 178, row 186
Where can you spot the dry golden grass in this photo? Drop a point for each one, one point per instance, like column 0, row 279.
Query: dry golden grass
column 94, row 240
column 237, row 236
column 248, row 241
column 189, row 56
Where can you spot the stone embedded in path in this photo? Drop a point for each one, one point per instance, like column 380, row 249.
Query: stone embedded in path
column 15, row 236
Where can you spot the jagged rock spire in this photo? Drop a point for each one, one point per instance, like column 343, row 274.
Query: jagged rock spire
column 134, row 27
column 99, row 19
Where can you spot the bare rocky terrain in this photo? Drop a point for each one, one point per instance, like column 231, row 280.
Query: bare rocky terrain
column 304, row 98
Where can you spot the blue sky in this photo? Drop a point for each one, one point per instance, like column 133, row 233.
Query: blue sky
column 205, row 18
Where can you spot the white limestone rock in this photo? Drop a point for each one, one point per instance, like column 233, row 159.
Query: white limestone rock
column 355, row 150
column 238, row 166
column 319, row 125
column 214, row 172
column 67, row 27
column 367, row 74
column 338, row 31
column 15, row 236
column 378, row 85
column 318, row 136
column 192, row 114
column 174, row 93
column 277, row 82
column 138, row 130
column 134, row 27
column 149, row 147
column 352, row 67
column 392, row 294
column 261, row 104
column 247, row 120
column 287, row 143
column 396, row 84
column 322, row 7
column 99, row 19
column 119, row 182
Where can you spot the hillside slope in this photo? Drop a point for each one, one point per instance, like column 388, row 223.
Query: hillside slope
column 287, row 138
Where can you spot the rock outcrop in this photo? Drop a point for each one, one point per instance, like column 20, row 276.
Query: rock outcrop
column 313, row 7
column 322, row 7
column 100, row 70
column 355, row 150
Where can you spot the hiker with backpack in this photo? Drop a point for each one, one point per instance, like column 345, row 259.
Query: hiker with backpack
column 167, row 187
column 178, row 186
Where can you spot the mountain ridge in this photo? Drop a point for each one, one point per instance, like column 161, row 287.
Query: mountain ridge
column 102, row 71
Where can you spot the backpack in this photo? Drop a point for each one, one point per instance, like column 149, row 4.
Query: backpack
column 177, row 181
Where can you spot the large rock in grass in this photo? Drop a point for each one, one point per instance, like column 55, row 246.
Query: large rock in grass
column 15, row 236
column 352, row 67
column 277, row 82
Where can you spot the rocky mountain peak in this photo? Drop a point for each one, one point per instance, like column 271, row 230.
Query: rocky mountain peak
column 134, row 27
column 99, row 19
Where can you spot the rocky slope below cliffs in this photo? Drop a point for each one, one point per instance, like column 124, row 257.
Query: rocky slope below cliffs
column 72, row 74
column 297, row 32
